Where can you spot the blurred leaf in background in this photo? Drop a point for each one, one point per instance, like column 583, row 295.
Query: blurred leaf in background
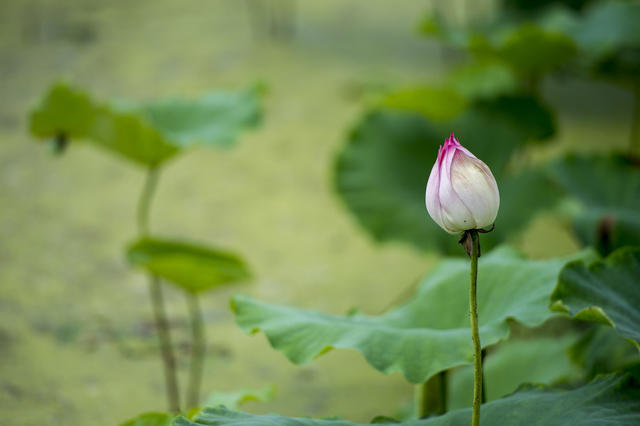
column 151, row 419
column 532, row 7
column 214, row 119
column 435, row 103
column 194, row 268
column 72, row 113
column 606, row 193
column 608, row 26
column 233, row 400
column 529, row 50
column 483, row 80
column 151, row 133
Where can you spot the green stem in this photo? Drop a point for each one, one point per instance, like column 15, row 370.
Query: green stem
column 432, row 396
column 475, row 333
column 144, row 202
column 157, row 299
column 166, row 348
column 198, row 350
column 635, row 122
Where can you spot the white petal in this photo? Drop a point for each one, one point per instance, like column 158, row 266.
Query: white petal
column 476, row 187
column 431, row 198
column 456, row 216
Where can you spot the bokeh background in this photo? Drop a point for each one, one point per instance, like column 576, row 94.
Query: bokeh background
column 77, row 344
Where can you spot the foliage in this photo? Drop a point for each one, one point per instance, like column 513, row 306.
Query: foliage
column 429, row 333
column 608, row 26
column 606, row 292
column 484, row 80
column 70, row 113
column 381, row 172
column 543, row 360
column 233, row 400
column 148, row 134
column 151, row 419
column 611, row 400
column 529, row 50
column 194, row 268
column 607, row 190
column 608, row 37
column 494, row 106
column 433, row 102
column 214, row 119
column 603, row 38
column 601, row 350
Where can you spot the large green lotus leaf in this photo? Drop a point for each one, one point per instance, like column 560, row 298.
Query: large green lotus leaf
column 542, row 360
column 607, row 190
column 601, row 350
column 215, row 119
column 612, row 400
column 151, row 419
column 606, row 292
column 192, row 267
column 70, row 113
column 428, row 334
column 382, row 172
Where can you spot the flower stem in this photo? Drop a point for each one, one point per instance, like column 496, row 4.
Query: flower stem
column 198, row 350
column 475, row 334
column 157, row 299
column 432, row 396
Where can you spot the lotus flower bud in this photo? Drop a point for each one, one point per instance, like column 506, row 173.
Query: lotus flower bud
column 462, row 194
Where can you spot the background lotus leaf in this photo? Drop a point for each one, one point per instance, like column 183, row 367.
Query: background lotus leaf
column 195, row 268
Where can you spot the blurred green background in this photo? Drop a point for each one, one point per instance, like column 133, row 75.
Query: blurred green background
column 76, row 338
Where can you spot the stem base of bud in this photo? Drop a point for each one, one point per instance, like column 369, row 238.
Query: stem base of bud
column 467, row 242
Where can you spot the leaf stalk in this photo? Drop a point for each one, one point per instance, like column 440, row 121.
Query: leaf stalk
column 157, row 298
column 198, row 350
